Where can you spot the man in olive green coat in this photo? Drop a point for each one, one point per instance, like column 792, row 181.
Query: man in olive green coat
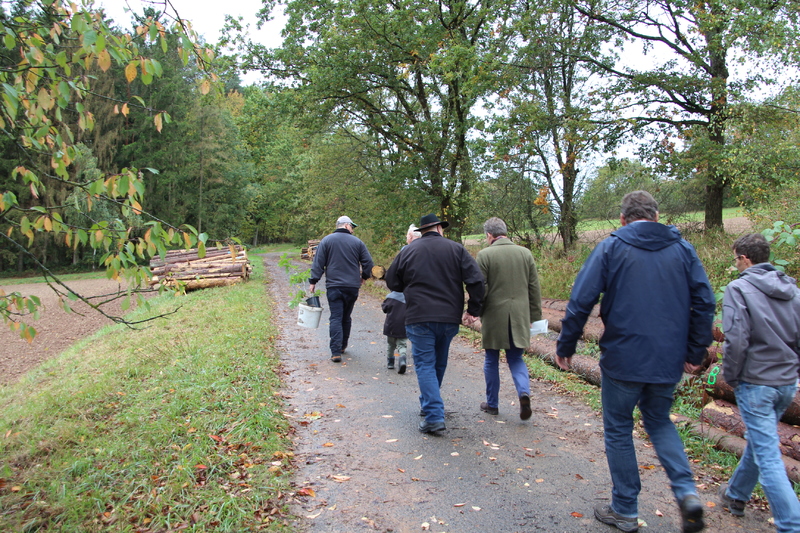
column 513, row 301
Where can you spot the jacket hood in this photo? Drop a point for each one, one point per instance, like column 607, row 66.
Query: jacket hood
column 648, row 235
column 770, row 281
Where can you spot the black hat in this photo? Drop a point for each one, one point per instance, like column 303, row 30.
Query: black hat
column 431, row 220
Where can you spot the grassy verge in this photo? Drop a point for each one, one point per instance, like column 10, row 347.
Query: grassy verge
column 176, row 426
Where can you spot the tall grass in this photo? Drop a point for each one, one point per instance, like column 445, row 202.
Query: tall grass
column 169, row 427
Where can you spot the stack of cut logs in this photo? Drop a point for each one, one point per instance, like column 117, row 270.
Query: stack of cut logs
column 310, row 250
column 720, row 418
column 222, row 265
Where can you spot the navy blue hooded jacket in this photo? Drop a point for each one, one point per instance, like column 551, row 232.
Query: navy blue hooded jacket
column 657, row 306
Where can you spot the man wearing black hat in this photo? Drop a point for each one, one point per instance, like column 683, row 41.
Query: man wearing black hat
column 345, row 261
column 432, row 272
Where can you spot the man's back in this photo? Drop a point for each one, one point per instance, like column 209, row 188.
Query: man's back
column 657, row 304
column 761, row 320
column 342, row 257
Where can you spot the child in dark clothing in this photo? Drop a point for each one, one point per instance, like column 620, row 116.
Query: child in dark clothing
column 394, row 327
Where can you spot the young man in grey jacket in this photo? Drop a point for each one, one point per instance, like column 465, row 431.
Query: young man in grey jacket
column 761, row 320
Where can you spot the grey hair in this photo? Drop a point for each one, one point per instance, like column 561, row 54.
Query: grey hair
column 413, row 233
column 496, row 227
column 639, row 205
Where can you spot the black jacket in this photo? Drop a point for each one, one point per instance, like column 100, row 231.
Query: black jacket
column 431, row 272
column 344, row 260
column 395, row 323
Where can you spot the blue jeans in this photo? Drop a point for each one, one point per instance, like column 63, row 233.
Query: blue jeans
column 430, row 345
column 761, row 408
column 341, row 301
column 517, row 366
column 655, row 401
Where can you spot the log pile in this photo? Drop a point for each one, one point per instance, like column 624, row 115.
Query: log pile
column 309, row 251
column 720, row 418
column 221, row 266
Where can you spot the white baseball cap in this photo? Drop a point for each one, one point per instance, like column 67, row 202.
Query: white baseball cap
column 346, row 220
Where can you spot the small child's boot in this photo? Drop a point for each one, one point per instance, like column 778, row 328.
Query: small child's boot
column 390, row 362
column 401, row 367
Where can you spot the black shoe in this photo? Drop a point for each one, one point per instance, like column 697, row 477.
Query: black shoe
column 431, row 427
column 692, row 514
column 525, row 407
column 609, row 516
column 401, row 369
column 336, row 358
column 486, row 409
column 421, row 412
column 736, row 507
column 390, row 363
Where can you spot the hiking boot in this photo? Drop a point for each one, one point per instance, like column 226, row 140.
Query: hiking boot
column 692, row 514
column 607, row 515
column 525, row 407
column 336, row 358
column 390, row 362
column 736, row 507
column 401, row 365
column 490, row 410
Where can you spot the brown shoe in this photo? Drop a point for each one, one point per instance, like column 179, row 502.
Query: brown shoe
column 486, row 409
column 336, row 358
column 525, row 407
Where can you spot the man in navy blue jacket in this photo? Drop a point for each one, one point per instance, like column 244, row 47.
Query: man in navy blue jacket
column 346, row 263
column 657, row 309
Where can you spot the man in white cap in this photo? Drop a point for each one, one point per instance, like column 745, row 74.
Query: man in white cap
column 346, row 263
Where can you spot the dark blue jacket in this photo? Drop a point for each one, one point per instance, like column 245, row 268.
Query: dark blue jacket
column 343, row 259
column 657, row 306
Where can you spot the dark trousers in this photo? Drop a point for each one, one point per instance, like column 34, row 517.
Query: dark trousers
column 341, row 301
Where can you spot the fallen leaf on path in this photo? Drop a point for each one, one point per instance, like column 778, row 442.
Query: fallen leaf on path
column 459, row 504
column 540, row 480
column 454, row 454
column 493, row 458
column 417, row 458
column 341, row 479
column 315, row 514
column 474, row 508
column 401, row 470
column 392, row 440
column 659, row 513
column 314, row 415
column 711, row 504
column 307, row 491
column 332, row 507
column 425, row 526
column 388, row 416
column 576, row 514
column 648, row 467
column 340, row 406
column 328, row 445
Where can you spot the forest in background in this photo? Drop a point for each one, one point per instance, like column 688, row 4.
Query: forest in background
column 541, row 114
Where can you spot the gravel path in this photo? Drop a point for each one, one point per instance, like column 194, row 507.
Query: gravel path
column 364, row 466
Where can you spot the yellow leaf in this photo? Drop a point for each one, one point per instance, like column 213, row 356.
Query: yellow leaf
column 130, row 72
column 328, row 445
column 341, row 479
column 125, row 109
column 104, row 60
column 157, row 121
column 205, row 87
column 116, row 109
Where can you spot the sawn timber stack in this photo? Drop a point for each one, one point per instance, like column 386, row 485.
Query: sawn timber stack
column 221, row 265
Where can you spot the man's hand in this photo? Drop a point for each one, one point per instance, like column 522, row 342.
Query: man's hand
column 689, row 368
column 564, row 363
column 311, row 287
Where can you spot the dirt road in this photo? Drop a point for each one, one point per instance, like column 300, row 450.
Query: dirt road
column 366, row 467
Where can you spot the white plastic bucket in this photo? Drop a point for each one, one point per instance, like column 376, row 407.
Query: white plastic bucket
column 308, row 316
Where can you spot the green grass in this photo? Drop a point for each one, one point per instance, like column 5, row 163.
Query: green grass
column 176, row 425
column 101, row 274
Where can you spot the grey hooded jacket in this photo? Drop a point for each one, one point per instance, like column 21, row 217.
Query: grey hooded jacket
column 761, row 321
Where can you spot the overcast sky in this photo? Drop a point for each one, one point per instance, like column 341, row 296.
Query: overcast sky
column 207, row 17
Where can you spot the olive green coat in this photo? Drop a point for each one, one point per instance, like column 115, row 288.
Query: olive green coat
column 512, row 294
